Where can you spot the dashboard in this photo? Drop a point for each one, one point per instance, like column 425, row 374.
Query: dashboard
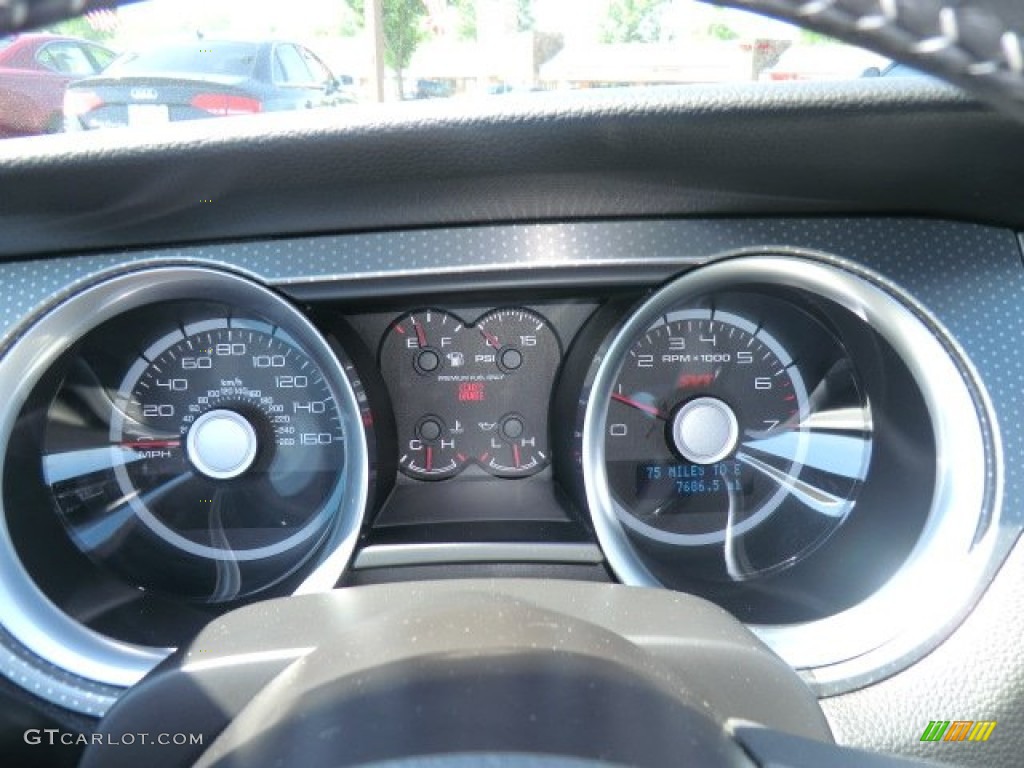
column 768, row 379
column 778, row 415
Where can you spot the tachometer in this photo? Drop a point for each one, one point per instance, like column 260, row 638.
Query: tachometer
column 706, row 415
column 730, row 425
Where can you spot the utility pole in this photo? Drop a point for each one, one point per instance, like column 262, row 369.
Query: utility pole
column 374, row 26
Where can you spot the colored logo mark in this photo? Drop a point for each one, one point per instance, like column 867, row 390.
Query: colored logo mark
column 958, row 730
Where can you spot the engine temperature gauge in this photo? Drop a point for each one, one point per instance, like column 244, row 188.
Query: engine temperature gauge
column 432, row 450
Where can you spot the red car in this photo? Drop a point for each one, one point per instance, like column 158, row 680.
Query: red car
column 34, row 70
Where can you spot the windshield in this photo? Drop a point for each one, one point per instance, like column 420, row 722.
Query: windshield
column 242, row 57
column 198, row 57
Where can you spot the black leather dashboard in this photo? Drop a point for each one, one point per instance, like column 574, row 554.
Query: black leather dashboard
column 855, row 147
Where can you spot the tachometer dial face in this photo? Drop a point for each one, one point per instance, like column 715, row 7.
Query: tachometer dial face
column 711, row 429
column 473, row 394
column 225, row 442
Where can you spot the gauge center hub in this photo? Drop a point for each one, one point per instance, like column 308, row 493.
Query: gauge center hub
column 705, row 430
column 221, row 444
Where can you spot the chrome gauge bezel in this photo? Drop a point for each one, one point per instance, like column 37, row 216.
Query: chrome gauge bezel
column 941, row 575
column 43, row 649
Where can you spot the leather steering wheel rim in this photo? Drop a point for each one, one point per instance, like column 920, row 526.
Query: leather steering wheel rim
column 976, row 44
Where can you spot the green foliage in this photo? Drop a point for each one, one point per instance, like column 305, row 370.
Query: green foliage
column 403, row 31
column 403, row 28
column 720, row 31
column 80, row 27
column 810, row 37
column 466, row 11
column 524, row 15
column 632, row 21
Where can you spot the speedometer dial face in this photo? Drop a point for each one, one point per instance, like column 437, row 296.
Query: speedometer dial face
column 711, row 430
column 225, row 442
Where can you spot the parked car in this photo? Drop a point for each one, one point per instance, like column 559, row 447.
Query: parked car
column 896, row 69
column 823, row 62
column 430, row 88
column 202, row 78
column 34, row 71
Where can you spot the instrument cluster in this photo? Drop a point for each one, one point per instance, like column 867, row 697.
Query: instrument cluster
column 752, row 431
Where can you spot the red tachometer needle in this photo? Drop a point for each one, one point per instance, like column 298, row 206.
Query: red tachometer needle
column 656, row 412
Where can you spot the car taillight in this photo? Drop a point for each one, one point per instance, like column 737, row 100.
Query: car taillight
column 79, row 102
column 225, row 104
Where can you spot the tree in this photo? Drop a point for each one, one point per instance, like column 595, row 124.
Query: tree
column 403, row 27
column 524, row 15
column 82, row 27
column 632, row 21
column 718, row 30
column 465, row 12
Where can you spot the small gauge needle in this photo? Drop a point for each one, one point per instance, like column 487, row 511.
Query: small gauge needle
column 491, row 339
column 137, row 444
column 515, row 455
column 430, row 459
column 656, row 412
column 421, row 335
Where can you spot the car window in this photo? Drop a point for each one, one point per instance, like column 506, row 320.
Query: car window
column 317, row 68
column 101, row 57
column 66, row 58
column 199, row 57
column 292, row 68
column 459, row 50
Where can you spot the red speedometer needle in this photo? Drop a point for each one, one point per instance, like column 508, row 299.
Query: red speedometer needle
column 656, row 412
column 136, row 444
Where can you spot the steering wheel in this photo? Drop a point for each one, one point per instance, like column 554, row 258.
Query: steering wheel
column 977, row 44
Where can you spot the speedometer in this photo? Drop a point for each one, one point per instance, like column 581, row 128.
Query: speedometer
column 226, row 439
column 208, row 448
